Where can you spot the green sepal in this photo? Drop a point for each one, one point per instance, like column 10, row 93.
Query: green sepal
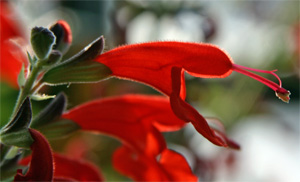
column 21, row 120
column 51, row 112
column 38, row 97
column 9, row 164
column 59, row 129
column 16, row 133
column 90, row 52
column 54, row 57
column 79, row 72
column 21, row 77
column 7, row 175
column 12, row 152
column 4, row 149
column 80, row 68
column 20, row 138
column 31, row 60
column 42, row 41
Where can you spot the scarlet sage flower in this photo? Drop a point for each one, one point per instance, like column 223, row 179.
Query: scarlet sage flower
column 48, row 166
column 170, row 166
column 11, row 55
column 137, row 121
column 39, row 170
column 162, row 65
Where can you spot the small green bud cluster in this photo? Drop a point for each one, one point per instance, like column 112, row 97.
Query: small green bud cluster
column 49, row 45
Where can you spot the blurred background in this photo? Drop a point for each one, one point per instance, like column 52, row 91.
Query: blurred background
column 257, row 34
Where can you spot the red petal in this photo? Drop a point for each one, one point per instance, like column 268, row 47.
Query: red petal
column 9, row 26
column 187, row 113
column 11, row 56
column 59, row 179
column 176, row 166
column 67, row 29
column 11, row 60
column 78, row 170
column 171, row 167
column 132, row 118
column 151, row 63
column 41, row 165
column 68, row 169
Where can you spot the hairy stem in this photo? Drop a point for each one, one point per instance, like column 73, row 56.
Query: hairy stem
column 27, row 88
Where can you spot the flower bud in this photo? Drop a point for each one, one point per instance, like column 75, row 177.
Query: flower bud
column 54, row 57
column 42, row 41
column 63, row 34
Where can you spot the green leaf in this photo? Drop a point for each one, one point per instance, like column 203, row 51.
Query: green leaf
column 59, row 129
column 42, row 41
column 21, row 138
column 51, row 112
column 21, row 120
column 21, row 77
column 80, row 68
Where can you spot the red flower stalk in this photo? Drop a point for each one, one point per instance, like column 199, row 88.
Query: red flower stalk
column 162, row 65
column 170, row 166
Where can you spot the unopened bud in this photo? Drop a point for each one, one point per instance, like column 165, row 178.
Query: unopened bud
column 63, row 34
column 42, row 41
column 54, row 57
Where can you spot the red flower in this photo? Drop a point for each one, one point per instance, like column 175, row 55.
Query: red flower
column 137, row 121
column 11, row 55
column 162, row 65
column 170, row 166
column 46, row 166
column 41, row 168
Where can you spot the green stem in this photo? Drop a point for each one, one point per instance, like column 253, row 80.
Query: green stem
column 26, row 90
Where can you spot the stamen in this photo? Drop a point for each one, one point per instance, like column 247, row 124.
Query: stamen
column 261, row 71
column 280, row 92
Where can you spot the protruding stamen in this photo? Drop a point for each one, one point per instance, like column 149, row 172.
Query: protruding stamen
column 281, row 93
column 261, row 71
